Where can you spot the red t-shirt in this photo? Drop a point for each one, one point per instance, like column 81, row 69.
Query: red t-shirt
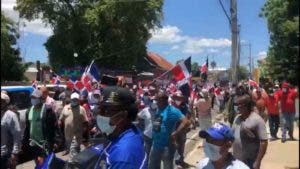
column 272, row 105
column 287, row 100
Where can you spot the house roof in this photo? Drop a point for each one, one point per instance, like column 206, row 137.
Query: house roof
column 159, row 61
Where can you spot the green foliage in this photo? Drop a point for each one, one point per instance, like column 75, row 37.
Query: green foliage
column 115, row 32
column 11, row 67
column 243, row 73
column 195, row 69
column 213, row 64
column 283, row 23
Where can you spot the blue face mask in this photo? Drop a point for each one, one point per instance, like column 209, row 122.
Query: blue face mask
column 35, row 101
column 103, row 124
column 212, row 151
column 74, row 103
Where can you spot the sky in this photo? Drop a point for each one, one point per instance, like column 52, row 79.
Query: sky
column 196, row 28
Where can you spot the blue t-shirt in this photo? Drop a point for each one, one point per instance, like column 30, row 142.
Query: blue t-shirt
column 126, row 151
column 170, row 116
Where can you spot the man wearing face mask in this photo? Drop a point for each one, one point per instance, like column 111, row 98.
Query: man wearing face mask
column 74, row 117
column 10, row 135
column 204, row 110
column 147, row 115
column 273, row 113
column 165, row 133
column 125, row 149
column 251, row 139
column 94, row 100
column 40, row 125
column 180, row 103
column 287, row 98
column 218, row 141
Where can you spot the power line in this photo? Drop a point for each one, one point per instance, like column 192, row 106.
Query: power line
column 225, row 11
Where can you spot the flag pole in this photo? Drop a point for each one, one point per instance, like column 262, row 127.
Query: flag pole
column 166, row 72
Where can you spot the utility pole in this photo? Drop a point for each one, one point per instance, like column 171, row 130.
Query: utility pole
column 239, row 50
column 234, row 39
column 250, row 61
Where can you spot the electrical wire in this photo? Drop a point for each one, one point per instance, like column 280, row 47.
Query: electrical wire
column 225, row 11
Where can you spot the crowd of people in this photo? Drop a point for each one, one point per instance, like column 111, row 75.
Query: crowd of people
column 146, row 125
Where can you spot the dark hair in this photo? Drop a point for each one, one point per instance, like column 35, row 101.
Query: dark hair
column 246, row 99
column 163, row 95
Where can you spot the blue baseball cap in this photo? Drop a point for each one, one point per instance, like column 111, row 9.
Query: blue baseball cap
column 218, row 131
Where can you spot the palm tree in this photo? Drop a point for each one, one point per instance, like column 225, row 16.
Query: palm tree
column 213, row 64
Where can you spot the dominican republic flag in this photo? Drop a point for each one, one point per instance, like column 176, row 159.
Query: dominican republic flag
column 55, row 79
column 77, row 85
column 91, row 74
column 204, row 70
column 182, row 75
column 252, row 83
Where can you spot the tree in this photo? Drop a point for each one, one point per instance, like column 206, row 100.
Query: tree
column 195, row 69
column 11, row 67
column 114, row 32
column 242, row 73
column 283, row 23
column 213, row 64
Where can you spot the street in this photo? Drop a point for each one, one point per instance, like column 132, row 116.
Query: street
column 279, row 155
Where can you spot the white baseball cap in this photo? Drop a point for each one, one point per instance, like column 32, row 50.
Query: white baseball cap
column 75, row 96
column 5, row 97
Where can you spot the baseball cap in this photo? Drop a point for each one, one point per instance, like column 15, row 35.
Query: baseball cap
column 36, row 93
column 285, row 85
column 97, row 92
column 218, row 131
column 5, row 97
column 114, row 95
column 75, row 96
column 204, row 93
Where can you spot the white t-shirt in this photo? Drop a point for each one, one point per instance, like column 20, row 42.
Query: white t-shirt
column 146, row 115
column 207, row 164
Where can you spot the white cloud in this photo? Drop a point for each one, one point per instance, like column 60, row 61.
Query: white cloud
column 35, row 27
column 189, row 45
column 212, row 50
column 167, row 34
column 262, row 54
column 196, row 46
column 175, row 47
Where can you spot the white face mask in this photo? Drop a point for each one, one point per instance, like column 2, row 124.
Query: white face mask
column 212, row 151
column 284, row 90
column 177, row 102
column 35, row 101
column 235, row 109
column 103, row 124
column 153, row 106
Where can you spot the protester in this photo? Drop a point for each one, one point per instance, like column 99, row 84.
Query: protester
column 251, row 139
column 40, row 126
column 260, row 97
column 94, row 100
column 204, row 110
column 49, row 101
column 218, row 141
column 118, row 111
column 164, row 133
column 74, row 116
column 273, row 113
column 147, row 116
column 180, row 103
column 10, row 135
column 287, row 97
